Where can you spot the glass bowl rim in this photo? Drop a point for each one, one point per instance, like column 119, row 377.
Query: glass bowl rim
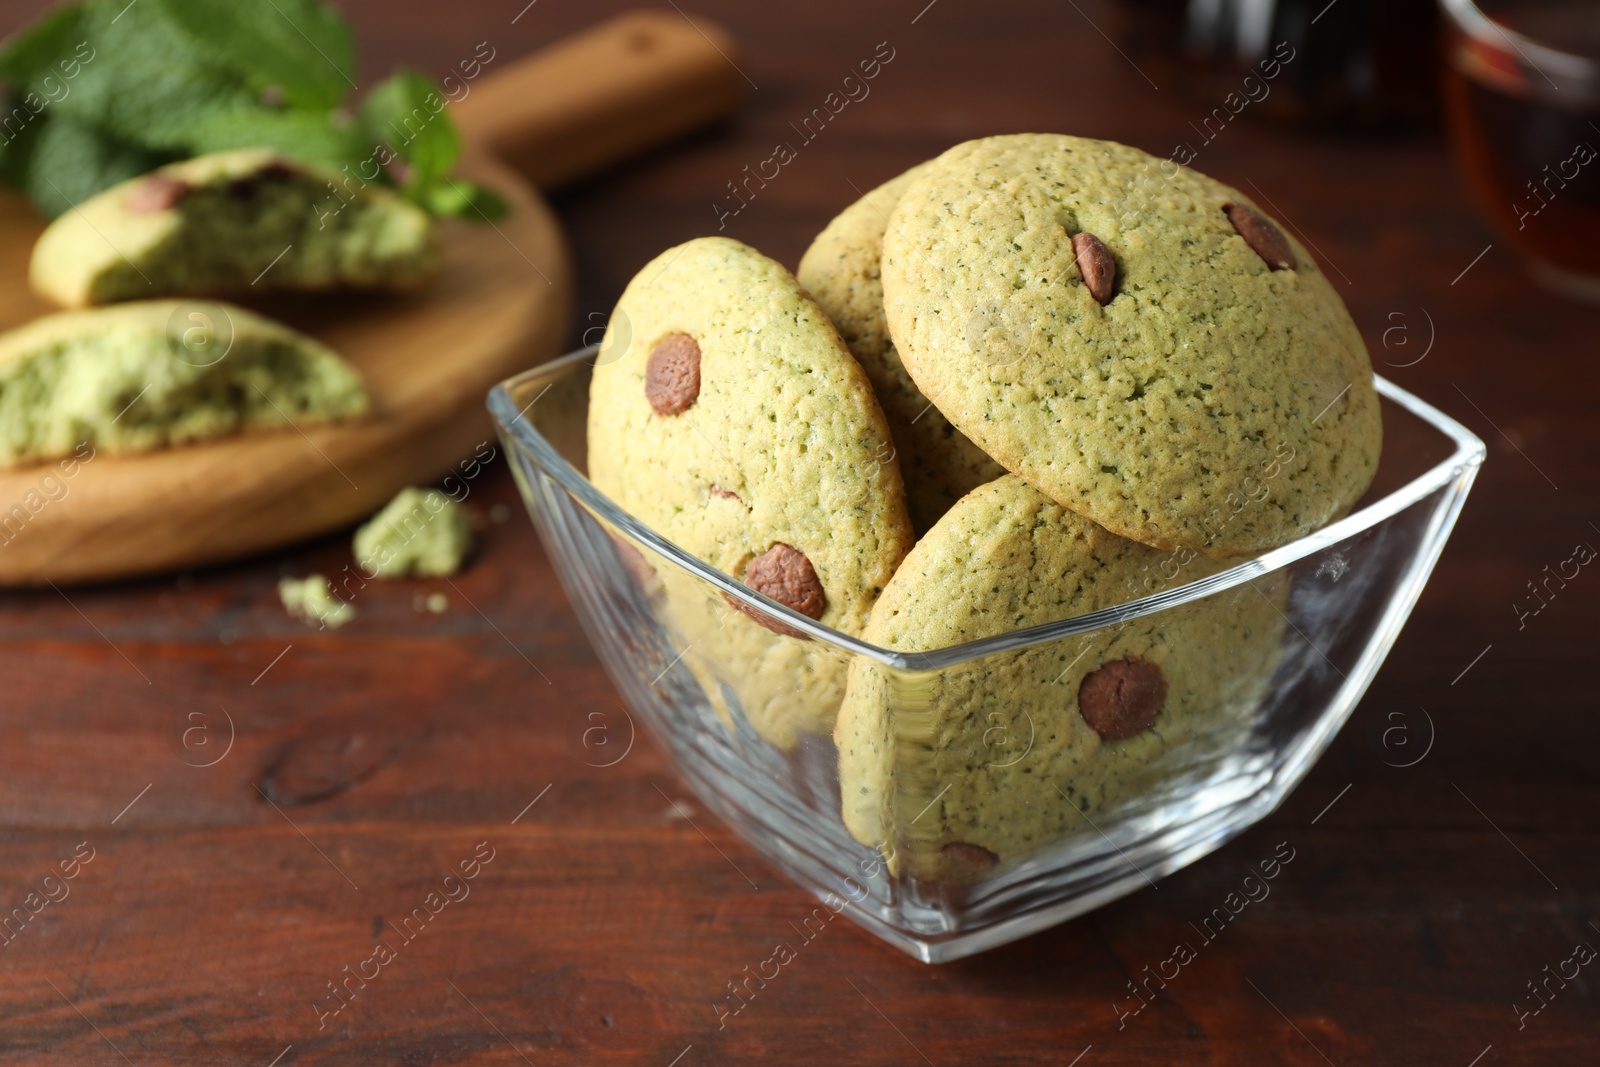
column 1468, row 455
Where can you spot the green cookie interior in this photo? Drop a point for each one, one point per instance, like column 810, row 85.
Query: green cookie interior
column 155, row 373
column 236, row 221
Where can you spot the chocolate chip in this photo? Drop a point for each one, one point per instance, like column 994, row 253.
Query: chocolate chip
column 246, row 187
column 783, row 573
column 1122, row 698
column 277, row 171
column 965, row 861
column 1099, row 270
column 158, row 192
column 638, row 568
column 672, row 374
column 726, row 494
column 976, row 854
column 1260, row 234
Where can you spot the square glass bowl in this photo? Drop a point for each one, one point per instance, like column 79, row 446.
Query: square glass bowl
column 738, row 706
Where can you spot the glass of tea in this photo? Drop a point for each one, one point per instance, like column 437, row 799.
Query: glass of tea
column 1522, row 97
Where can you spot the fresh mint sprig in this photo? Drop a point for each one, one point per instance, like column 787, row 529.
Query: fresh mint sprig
column 100, row 91
column 406, row 114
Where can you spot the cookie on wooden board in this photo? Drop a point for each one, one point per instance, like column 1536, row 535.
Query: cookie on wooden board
column 229, row 222
column 154, row 373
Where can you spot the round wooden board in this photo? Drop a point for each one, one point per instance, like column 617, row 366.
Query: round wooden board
column 498, row 305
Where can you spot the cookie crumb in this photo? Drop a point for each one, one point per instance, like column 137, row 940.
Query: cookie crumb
column 312, row 600
column 420, row 531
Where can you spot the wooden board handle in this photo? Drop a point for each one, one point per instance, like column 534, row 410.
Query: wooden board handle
column 613, row 91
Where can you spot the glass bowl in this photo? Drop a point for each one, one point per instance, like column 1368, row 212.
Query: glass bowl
column 736, row 726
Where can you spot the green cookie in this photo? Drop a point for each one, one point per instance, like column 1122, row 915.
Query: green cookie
column 1132, row 338
column 956, row 772
column 161, row 372
column 840, row 270
column 726, row 413
column 233, row 221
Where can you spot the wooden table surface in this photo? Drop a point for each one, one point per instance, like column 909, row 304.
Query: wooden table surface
column 365, row 764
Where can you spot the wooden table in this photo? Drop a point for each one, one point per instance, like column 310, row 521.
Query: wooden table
column 366, row 764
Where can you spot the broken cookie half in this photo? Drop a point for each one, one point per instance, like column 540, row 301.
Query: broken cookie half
column 162, row 372
column 233, row 221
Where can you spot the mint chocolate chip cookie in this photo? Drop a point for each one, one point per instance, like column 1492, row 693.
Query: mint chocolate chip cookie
column 231, row 221
column 840, row 270
column 1137, row 341
column 161, row 372
column 959, row 771
column 726, row 413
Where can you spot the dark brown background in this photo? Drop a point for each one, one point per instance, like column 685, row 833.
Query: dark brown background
column 608, row 923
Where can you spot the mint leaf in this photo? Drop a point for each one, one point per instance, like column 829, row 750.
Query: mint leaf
column 467, row 199
column 16, row 155
column 48, row 47
column 406, row 112
column 148, row 84
column 102, row 90
column 68, row 162
column 407, row 115
column 300, row 48
column 329, row 138
column 38, row 65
